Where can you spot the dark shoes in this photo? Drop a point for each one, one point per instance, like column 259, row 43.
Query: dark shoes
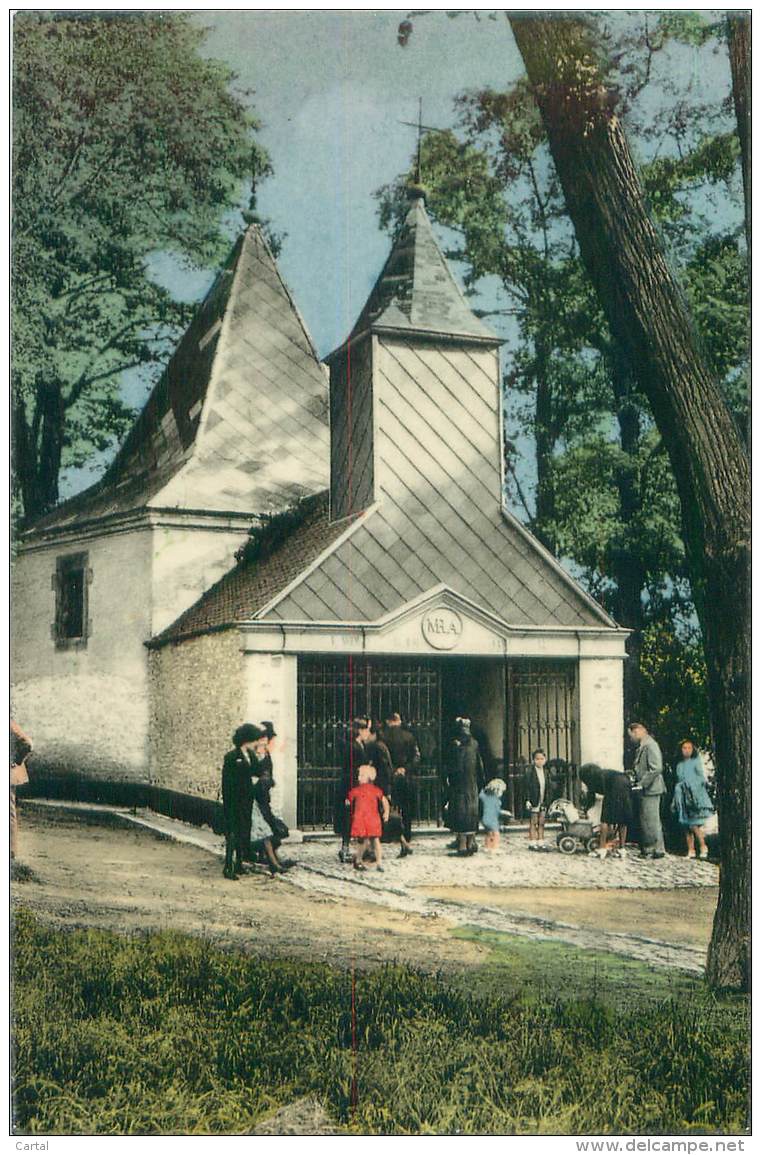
column 230, row 874
column 405, row 851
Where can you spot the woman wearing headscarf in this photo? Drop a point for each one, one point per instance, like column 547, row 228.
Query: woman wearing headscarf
column 692, row 802
column 464, row 776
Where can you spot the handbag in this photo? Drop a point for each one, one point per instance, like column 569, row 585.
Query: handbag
column 392, row 829
column 279, row 829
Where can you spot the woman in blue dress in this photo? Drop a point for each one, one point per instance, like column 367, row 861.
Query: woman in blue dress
column 692, row 803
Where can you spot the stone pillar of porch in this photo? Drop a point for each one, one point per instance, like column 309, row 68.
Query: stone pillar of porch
column 601, row 711
column 271, row 695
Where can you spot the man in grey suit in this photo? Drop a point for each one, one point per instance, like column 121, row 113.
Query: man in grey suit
column 649, row 784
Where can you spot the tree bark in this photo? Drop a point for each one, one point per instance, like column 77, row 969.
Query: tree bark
column 649, row 318
column 38, row 449
column 544, row 438
column 627, row 569
column 738, row 37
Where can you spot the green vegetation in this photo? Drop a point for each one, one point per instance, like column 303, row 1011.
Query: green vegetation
column 164, row 1033
column 128, row 142
column 576, row 973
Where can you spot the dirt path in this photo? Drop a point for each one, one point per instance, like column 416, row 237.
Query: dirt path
column 676, row 916
column 92, row 873
column 128, row 880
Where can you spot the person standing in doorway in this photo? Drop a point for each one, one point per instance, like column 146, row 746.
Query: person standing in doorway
column 490, row 799
column 354, row 756
column 535, row 792
column 367, row 806
column 377, row 754
column 650, row 786
column 404, row 754
column 465, row 774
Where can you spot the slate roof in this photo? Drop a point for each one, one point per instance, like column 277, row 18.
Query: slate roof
column 247, row 588
column 238, row 420
column 416, row 290
column 436, row 411
column 398, row 554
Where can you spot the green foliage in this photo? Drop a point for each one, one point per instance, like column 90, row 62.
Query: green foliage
column 600, row 490
column 674, row 685
column 590, row 524
column 117, row 1035
column 273, row 529
column 126, row 141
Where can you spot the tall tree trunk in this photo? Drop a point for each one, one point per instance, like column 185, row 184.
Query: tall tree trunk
column 738, row 36
column 38, row 449
column 648, row 316
column 628, row 569
column 544, row 438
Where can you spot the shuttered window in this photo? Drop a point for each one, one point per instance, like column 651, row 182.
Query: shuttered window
column 71, row 580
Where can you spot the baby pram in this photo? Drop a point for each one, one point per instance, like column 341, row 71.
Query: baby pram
column 576, row 833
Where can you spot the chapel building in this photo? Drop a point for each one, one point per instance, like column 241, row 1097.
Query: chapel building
column 386, row 573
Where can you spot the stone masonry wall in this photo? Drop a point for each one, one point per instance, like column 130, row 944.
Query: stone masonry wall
column 197, row 699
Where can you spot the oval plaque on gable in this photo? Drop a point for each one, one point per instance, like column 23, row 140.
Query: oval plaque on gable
column 442, row 628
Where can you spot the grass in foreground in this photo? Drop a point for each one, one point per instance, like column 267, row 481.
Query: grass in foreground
column 514, row 963
column 165, row 1033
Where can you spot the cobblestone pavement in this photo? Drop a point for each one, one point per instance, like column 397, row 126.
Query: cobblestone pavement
column 513, row 864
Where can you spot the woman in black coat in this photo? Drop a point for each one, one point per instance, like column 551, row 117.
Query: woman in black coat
column 466, row 771
column 237, row 795
column 616, row 816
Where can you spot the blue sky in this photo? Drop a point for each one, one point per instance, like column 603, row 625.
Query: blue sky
column 330, row 90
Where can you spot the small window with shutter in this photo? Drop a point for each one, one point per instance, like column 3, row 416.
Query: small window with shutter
column 71, row 580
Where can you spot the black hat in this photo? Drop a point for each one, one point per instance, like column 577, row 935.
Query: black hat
column 269, row 730
column 247, row 733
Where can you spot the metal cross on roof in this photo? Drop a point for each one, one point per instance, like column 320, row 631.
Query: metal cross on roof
column 421, row 128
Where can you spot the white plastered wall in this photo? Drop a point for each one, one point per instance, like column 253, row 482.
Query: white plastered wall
column 186, row 562
column 85, row 709
column 271, row 695
column 601, row 711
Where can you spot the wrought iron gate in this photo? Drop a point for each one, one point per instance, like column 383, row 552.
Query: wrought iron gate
column 331, row 691
column 541, row 711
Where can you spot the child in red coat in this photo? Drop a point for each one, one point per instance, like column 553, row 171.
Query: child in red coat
column 366, row 801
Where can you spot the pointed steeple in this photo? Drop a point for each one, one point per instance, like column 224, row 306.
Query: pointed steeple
column 416, row 291
column 237, row 423
column 416, row 315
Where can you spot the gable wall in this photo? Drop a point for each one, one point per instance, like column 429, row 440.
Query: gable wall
column 186, row 562
column 85, row 710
